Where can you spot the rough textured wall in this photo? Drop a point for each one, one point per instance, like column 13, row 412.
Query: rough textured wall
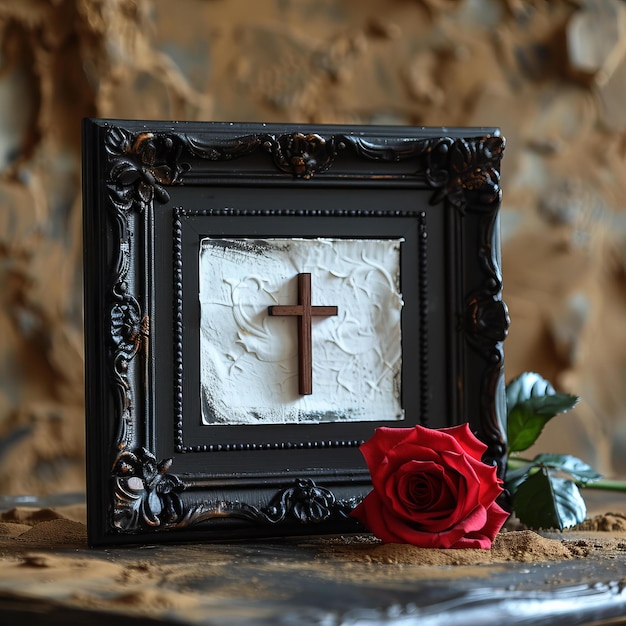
column 551, row 74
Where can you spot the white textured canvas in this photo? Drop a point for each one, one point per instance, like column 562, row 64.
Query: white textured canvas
column 248, row 359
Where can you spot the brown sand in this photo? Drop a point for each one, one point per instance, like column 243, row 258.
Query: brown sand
column 56, row 532
column 522, row 546
column 12, row 529
column 30, row 516
column 39, row 558
column 50, row 528
column 609, row 522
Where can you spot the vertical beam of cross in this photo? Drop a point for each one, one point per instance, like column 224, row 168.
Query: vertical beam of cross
column 304, row 311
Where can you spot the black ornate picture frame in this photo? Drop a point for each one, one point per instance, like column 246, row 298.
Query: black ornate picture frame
column 153, row 192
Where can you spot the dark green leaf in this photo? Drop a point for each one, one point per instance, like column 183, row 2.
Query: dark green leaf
column 523, row 428
column 531, row 403
column 577, row 469
column 544, row 501
column 525, row 386
column 533, row 390
column 515, row 477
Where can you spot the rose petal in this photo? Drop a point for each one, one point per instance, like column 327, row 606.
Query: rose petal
column 410, row 451
column 371, row 513
column 496, row 517
column 491, row 486
column 374, row 516
column 478, row 530
column 377, row 447
column 433, row 439
column 424, row 490
column 431, row 509
column 376, row 450
column 423, row 475
column 431, row 488
column 483, row 538
column 423, row 539
column 455, row 438
column 467, row 484
column 467, row 440
column 484, row 476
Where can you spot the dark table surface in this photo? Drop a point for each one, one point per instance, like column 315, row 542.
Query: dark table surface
column 305, row 580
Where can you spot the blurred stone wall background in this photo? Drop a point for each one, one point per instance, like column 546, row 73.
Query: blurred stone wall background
column 551, row 74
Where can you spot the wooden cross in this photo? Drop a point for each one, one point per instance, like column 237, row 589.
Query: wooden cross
column 304, row 311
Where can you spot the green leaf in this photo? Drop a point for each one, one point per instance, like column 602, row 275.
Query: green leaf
column 525, row 386
column 523, row 428
column 518, row 470
column 531, row 403
column 545, row 501
column 515, row 477
column 579, row 470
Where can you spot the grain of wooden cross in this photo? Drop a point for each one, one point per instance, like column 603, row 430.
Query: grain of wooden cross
column 304, row 312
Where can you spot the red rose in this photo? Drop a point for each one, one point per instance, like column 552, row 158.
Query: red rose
column 431, row 488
